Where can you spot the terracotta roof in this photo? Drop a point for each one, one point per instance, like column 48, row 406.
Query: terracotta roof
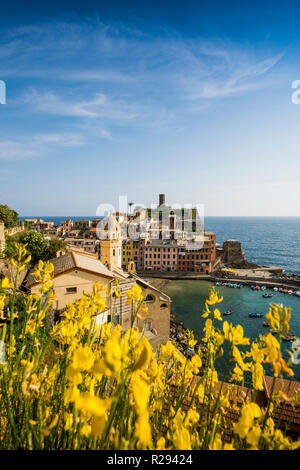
column 288, row 412
column 74, row 260
column 288, row 415
column 289, row 387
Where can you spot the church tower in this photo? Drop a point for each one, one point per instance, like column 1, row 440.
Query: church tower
column 111, row 246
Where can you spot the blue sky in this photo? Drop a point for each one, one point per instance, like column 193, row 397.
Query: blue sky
column 190, row 98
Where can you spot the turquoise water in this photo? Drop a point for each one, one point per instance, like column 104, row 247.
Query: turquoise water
column 188, row 299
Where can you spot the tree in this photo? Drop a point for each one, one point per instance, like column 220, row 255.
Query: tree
column 9, row 216
column 55, row 245
column 37, row 245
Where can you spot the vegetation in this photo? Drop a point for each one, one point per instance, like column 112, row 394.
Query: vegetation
column 39, row 247
column 8, row 216
column 107, row 390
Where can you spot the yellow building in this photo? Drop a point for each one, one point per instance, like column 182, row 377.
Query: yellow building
column 127, row 253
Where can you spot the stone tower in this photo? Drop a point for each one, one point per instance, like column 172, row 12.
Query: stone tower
column 2, row 237
column 111, row 246
column 233, row 253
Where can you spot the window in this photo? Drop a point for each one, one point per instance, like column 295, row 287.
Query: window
column 149, row 297
column 164, row 306
column 71, row 290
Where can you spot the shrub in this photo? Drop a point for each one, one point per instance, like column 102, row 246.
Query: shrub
column 107, row 389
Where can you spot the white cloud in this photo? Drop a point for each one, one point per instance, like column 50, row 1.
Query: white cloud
column 37, row 145
column 11, row 150
column 64, row 140
column 99, row 106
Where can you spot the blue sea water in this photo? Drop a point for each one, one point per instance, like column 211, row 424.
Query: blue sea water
column 188, row 301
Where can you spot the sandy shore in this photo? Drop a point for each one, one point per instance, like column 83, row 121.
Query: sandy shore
column 159, row 283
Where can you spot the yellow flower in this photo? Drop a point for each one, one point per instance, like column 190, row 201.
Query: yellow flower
column 145, row 355
column 98, row 425
column 217, row 443
column 253, row 436
column 237, row 375
column 83, row 358
column 92, row 404
column 182, row 439
column 135, row 293
column 142, row 431
column 68, row 418
column 6, row 284
column 217, row 314
column 250, row 412
column 141, row 393
column 234, row 334
column 257, row 376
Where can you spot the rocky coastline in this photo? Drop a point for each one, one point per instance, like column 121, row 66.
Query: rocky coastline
column 178, row 333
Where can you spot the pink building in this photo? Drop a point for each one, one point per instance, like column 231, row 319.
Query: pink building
column 160, row 255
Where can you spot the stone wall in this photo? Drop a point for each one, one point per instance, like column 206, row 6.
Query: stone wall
column 233, row 253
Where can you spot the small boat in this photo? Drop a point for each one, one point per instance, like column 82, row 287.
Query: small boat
column 285, row 291
column 275, row 289
column 255, row 315
column 289, row 337
column 297, row 293
column 273, row 331
column 228, row 312
column 267, row 296
column 252, row 287
column 191, row 352
column 263, row 288
column 265, row 323
column 257, row 287
column 290, row 292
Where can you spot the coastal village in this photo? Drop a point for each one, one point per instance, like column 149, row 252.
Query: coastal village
column 166, row 248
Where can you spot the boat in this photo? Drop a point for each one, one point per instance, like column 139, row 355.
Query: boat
column 255, row 315
column 285, row 291
column 290, row 292
column 252, row 287
column 297, row 293
column 275, row 289
column 266, row 296
column 273, row 331
column 228, row 312
column 257, row 287
column 265, row 323
column 289, row 337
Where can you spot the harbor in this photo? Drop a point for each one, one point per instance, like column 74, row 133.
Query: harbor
column 188, row 301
